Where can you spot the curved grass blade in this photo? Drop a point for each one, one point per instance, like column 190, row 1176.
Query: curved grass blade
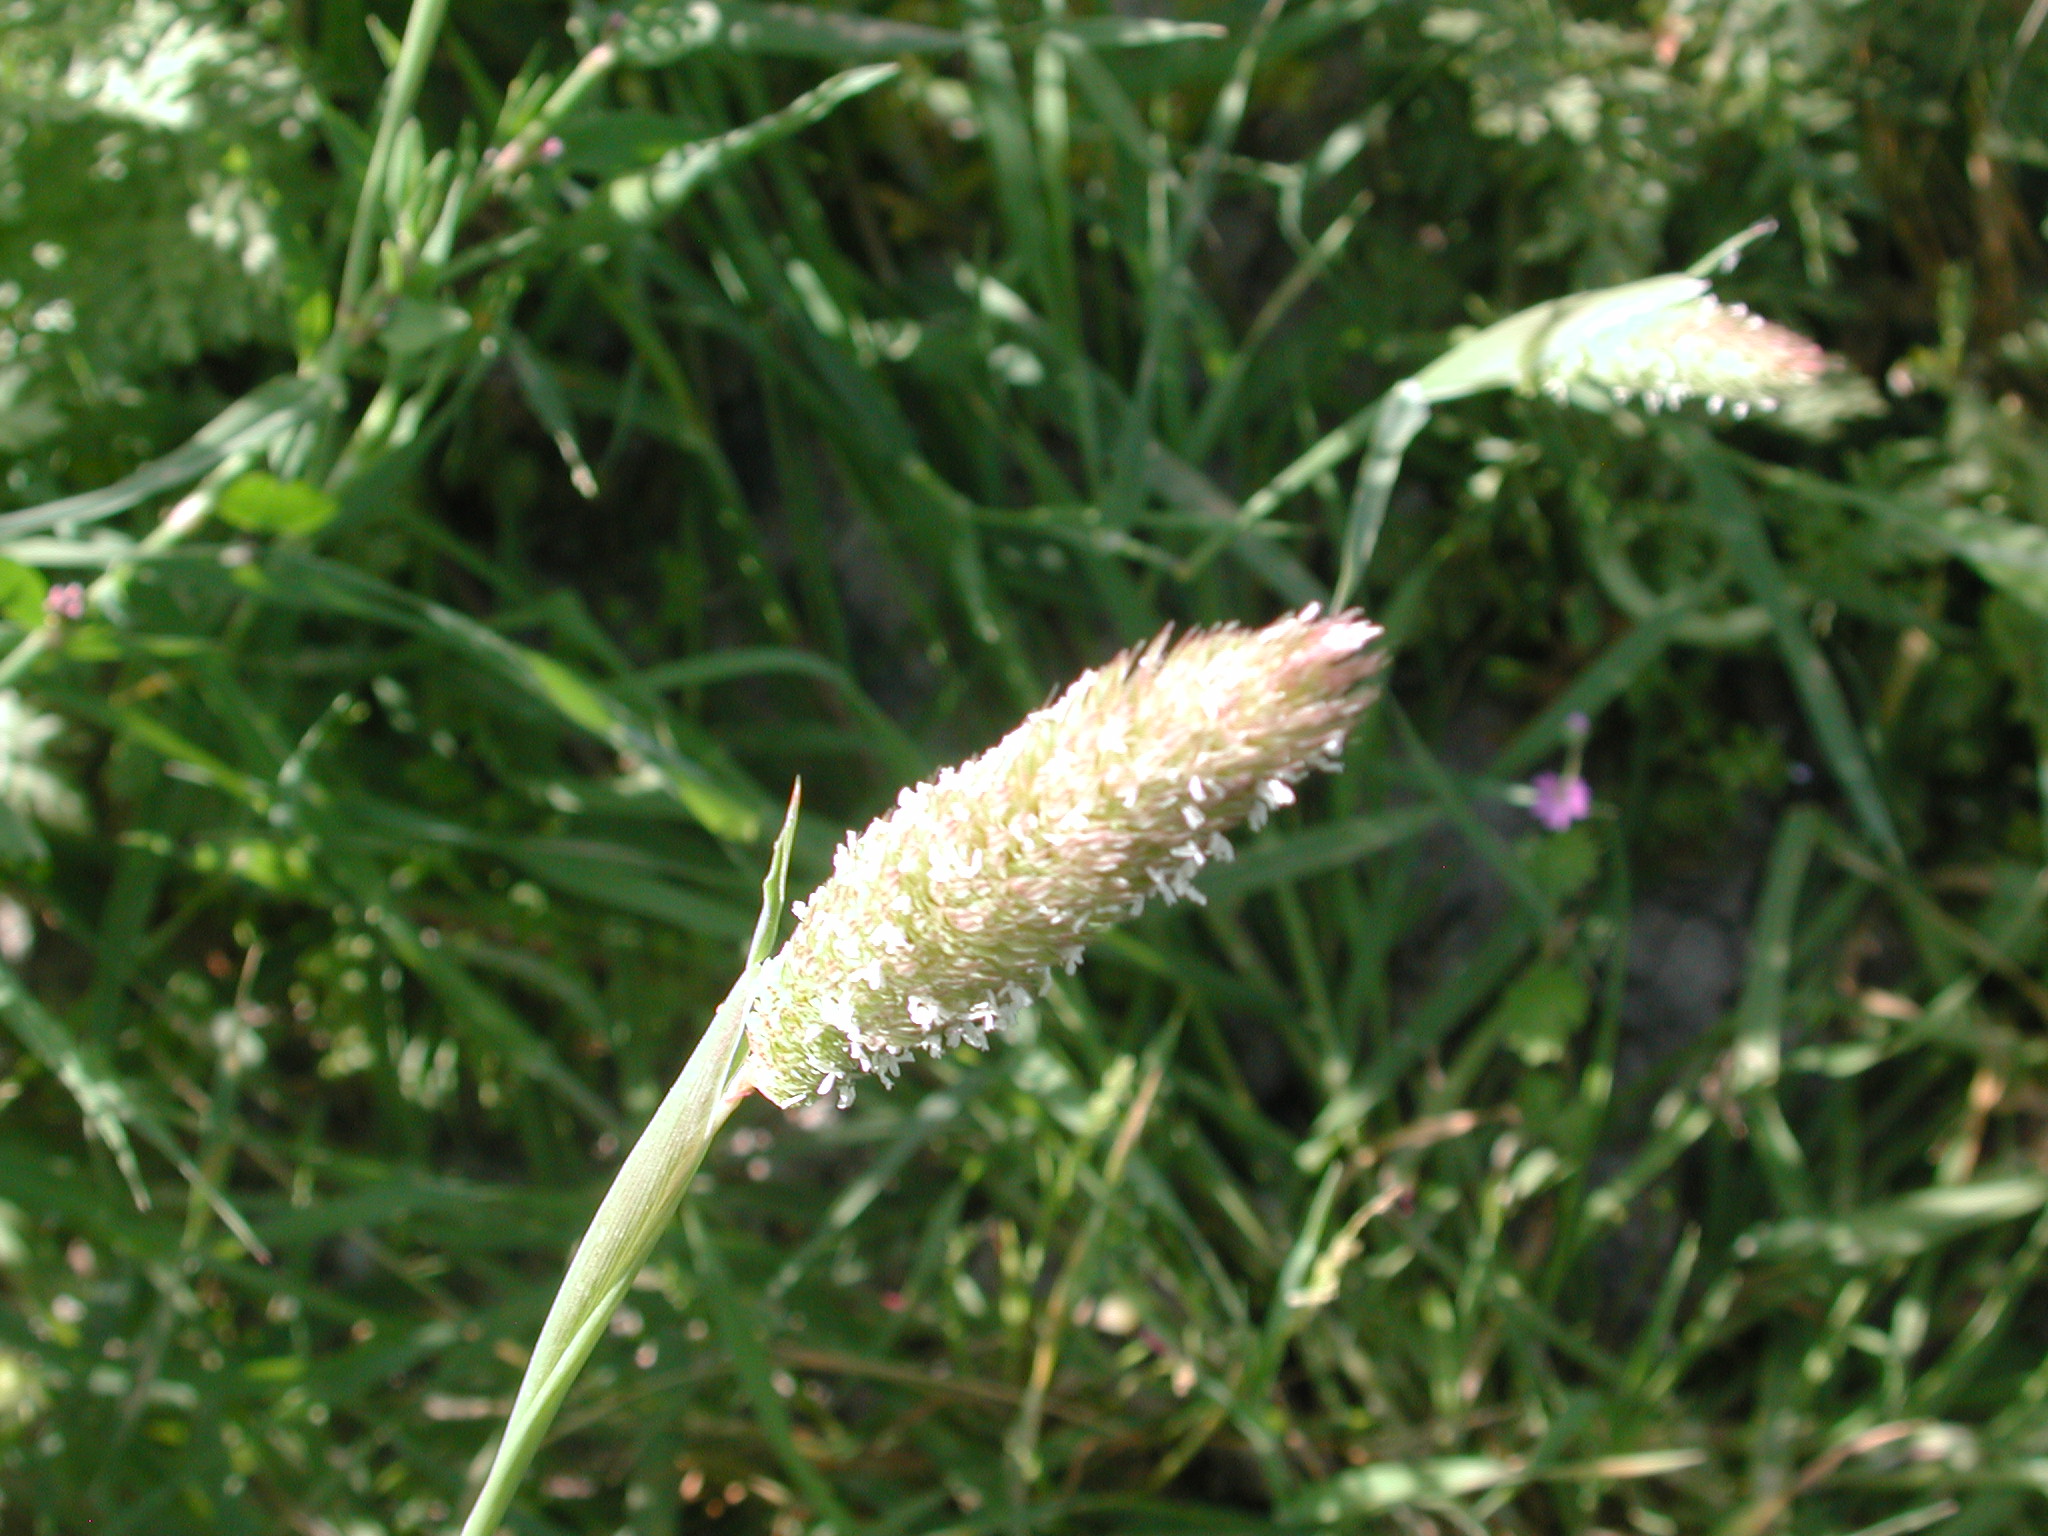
column 1403, row 413
column 109, row 1108
column 725, row 809
column 663, row 186
column 260, row 417
column 636, row 1210
column 1826, row 710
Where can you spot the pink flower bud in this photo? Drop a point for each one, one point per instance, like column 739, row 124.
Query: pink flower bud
column 1560, row 801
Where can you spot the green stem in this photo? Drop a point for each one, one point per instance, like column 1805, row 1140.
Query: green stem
column 635, row 1211
column 422, row 30
column 519, row 150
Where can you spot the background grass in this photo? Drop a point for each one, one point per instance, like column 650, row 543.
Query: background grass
column 781, row 391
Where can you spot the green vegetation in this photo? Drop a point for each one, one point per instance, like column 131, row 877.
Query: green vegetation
column 462, row 464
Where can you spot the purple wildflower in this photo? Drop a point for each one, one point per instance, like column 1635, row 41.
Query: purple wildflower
column 1560, row 800
column 66, row 600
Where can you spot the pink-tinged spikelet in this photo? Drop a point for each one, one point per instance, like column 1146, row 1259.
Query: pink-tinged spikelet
column 1698, row 350
column 945, row 917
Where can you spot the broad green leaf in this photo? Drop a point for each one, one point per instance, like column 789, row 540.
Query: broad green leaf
column 2019, row 637
column 20, row 842
column 1562, row 863
column 2012, row 556
column 312, row 320
column 278, row 866
column 417, row 326
column 262, row 503
column 1539, row 1014
column 22, row 590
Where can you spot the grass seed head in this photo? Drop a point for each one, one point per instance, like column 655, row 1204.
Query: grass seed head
column 945, row 917
column 1700, row 349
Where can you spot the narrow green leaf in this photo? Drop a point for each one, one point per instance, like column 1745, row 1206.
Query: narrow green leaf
column 1759, row 1016
column 1140, row 31
column 259, row 418
column 1599, row 685
column 101, row 1097
column 1401, row 414
column 109, row 1107
column 1458, row 810
column 1277, row 860
column 1901, row 1228
column 659, row 32
column 642, row 196
column 604, row 883
column 306, row 580
column 1826, row 710
column 1425, row 1027
column 544, row 393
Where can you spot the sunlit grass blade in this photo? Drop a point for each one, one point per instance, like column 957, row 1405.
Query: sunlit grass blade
column 636, row 1210
column 645, row 195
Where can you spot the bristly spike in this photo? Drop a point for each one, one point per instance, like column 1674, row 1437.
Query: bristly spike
column 1692, row 344
column 944, row 917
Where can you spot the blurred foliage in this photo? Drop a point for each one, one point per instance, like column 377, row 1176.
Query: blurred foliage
column 150, row 157
column 457, row 480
